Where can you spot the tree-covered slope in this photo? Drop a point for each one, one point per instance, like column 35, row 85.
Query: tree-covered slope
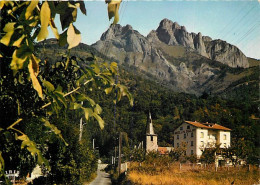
column 233, row 107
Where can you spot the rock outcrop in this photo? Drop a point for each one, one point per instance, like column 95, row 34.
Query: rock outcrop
column 172, row 55
column 171, row 33
column 226, row 53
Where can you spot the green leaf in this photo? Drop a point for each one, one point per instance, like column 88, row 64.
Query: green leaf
column 33, row 75
column 54, row 29
column 98, row 109
column 2, row 162
column 45, row 16
column 9, row 29
column 30, row 8
column 73, row 36
column 52, row 8
column 60, row 96
column 63, row 38
column 31, row 147
column 48, row 85
column 124, row 92
column 82, row 7
column 100, row 120
column 76, row 106
column 53, row 129
column 2, row 3
column 73, row 99
column 59, row 89
column 61, row 7
column 95, row 68
column 80, row 80
column 17, row 62
column 112, row 8
column 108, row 90
column 18, row 41
column 131, row 99
column 88, row 112
column 68, row 15
column 113, row 67
column 91, row 101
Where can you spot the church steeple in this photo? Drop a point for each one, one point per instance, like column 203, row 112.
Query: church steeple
column 151, row 137
column 149, row 127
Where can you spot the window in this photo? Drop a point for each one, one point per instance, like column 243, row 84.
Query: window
column 202, row 135
column 191, row 143
column 202, row 144
column 191, row 152
column 188, row 127
column 191, row 135
column 151, row 138
column 177, row 144
column 177, row 136
column 225, row 137
column 184, row 136
column 181, row 128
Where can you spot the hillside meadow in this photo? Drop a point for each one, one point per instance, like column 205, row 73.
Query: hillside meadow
column 170, row 173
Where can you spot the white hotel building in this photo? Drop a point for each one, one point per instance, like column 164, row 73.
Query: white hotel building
column 198, row 136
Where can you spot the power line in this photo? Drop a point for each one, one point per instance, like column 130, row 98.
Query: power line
column 234, row 18
column 252, row 21
column 250, row 31
column 239, row 21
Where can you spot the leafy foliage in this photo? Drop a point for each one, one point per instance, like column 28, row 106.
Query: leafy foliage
column 208, row 154
column 31, row 91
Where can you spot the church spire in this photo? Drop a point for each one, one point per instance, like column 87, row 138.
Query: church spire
column 151, row 137
column 149, row 128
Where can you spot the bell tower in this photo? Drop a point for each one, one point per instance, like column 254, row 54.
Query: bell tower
column 151, row 137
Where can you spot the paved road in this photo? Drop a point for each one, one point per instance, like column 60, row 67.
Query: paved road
column 102, row 178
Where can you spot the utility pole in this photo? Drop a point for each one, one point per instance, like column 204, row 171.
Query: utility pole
column 119, row 153
column 80, row 126
column 80, row 129
column 115, row 155
column 93, row 144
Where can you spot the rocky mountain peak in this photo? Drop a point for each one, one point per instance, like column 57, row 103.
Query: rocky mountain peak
column 112, row 31
column 173, row 34
column 188, row 62
column 128, row 27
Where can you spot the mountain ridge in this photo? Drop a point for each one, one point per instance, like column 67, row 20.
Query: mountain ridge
column 183, row 60
column 172, row 33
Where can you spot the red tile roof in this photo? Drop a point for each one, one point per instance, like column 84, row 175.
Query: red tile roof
column 208, row 125
column 162, row 150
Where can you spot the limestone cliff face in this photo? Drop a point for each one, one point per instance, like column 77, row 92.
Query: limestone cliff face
column 226, row 53
column 174, row 34
column 171, row 55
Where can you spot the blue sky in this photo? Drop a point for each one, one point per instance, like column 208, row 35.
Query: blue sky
column 237, row 22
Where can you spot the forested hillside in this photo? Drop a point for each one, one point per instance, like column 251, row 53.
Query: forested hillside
column 236, row 107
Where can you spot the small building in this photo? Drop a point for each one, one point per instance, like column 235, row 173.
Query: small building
column 151, row 139
column 164, row 150
column 198, row 136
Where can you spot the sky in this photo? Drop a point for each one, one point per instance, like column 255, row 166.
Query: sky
column 237, row 22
